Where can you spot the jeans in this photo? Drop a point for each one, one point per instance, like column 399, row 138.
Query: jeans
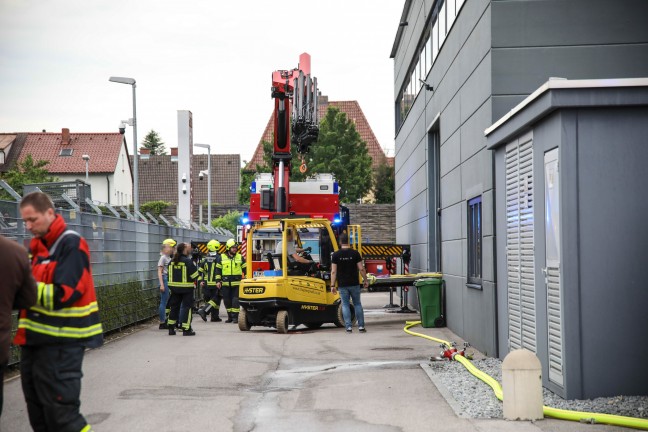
column 164, row 298
column 352, row 292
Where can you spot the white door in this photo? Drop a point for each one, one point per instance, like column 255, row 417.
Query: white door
column 552, row 266
column 520, row 261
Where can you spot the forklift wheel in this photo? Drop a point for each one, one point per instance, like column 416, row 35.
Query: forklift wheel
column 339, row 318
column 243, row 322
column 282, row 321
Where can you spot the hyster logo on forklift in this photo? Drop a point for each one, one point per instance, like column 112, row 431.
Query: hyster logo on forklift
column 253, row 290
column 313, row 308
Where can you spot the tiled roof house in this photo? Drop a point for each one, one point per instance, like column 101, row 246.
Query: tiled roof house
column 354, row 112
column 109, row 172
column 158, row 175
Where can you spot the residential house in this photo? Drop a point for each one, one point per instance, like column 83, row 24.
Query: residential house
column 108, row 171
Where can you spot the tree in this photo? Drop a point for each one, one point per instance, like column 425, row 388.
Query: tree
column 340, row 150
column 26, row 172
column 384, row 184
column 228, row 221
column 154, row 143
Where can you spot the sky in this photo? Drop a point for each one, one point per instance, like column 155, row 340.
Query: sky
column 214, row 58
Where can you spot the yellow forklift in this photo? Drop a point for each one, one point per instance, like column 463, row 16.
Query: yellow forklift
column 290, row 292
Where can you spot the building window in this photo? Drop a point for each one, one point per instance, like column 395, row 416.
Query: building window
column 475, row 242
column 66, row 152
column 442, row 19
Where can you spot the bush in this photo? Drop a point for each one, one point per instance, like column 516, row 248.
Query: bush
column 228, row 221
column 155, row 207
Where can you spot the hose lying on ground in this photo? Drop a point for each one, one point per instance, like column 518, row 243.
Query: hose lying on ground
column 579, row 416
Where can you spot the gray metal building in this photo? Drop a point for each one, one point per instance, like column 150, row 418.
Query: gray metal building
column 459, row 65
column 571, row 162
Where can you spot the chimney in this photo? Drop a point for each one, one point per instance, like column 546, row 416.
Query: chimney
column 65, row 136
column 144, row 151
column 323, row 101
column 174, row 154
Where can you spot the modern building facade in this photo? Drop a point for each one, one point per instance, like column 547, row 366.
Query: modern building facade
column 460, row 65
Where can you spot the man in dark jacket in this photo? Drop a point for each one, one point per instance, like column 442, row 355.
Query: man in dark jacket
column 55, row 332
column 17, row 291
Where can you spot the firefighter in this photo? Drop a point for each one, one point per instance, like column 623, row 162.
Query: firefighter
column 182, row 275
column 210, row 280
column 232, row 266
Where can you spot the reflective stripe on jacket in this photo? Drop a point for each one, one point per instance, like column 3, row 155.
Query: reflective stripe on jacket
column 209, row 272
column 232, row 269
column 66, row 309
column 182, row 274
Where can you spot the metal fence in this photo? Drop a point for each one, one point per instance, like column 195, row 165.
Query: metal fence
column 124, row 255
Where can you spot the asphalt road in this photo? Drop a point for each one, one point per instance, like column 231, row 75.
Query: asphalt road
column 308, row 380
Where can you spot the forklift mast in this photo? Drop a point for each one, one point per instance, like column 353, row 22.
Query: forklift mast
column 296, row 122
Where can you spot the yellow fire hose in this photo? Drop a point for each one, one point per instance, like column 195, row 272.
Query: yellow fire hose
column 561, row 414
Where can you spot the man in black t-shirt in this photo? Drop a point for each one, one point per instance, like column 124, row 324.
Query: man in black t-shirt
column 345, row 265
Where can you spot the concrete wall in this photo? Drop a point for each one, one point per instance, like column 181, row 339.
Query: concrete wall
column 461, row 76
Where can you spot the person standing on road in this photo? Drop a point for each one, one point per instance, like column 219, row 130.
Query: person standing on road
column 64, row 322
column 182, row 275
column 345, row 265
column 232, row 267
column 163, row 276
column 17, row 291
column 210, row 280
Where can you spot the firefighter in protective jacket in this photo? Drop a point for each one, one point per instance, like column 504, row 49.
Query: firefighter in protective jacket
column 182, row 275
column 210, row 280
column 232, row 267
column 64, row 322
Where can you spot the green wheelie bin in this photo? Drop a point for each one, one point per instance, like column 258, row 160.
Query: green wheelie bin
column 430, row 295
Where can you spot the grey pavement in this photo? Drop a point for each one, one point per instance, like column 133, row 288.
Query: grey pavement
column 315, row 380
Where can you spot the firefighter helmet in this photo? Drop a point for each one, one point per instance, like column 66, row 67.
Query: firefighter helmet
column 169, row 242
column 230, row 243
column 213, row 245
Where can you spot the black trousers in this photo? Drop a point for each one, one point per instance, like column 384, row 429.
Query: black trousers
column 230, row 298
column 213, row 296
column 51, row 382
column 184, row 297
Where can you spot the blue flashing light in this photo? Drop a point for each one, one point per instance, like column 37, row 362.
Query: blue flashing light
column 336, row 218
column 245, row 219
column 253, row 187
column 335, row 187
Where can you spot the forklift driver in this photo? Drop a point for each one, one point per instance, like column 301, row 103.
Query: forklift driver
column 293, row 253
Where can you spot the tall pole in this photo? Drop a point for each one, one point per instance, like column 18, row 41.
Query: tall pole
column 209, row 209
column 209, row 219
column 86, row 171
column 135, row 161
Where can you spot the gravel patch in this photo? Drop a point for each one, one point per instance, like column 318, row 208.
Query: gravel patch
column 476, row 399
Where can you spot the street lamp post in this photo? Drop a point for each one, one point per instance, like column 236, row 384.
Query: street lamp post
column 208, row 147
column 86, row 158
column 131, row 81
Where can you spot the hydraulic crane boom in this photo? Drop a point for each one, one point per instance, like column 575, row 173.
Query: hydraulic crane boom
column 296, row 122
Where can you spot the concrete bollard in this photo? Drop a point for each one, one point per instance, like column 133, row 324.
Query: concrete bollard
column 522, row 386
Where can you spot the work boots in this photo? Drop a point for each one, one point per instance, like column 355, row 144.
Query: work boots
column 189, row 332
column 172, row 331
column 203, row 311
column 235, row 317
column 229, row 317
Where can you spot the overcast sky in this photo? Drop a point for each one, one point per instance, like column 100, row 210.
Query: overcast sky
column 214, row 58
